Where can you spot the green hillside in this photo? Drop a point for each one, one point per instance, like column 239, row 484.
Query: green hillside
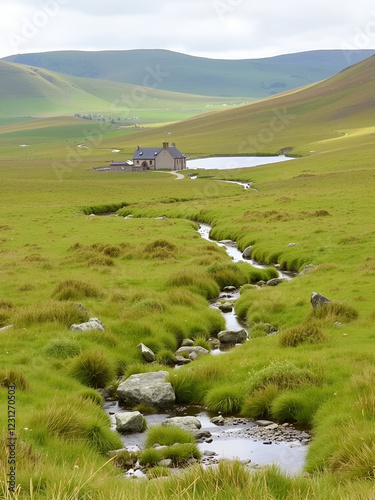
column 177, row 72
column 27, row 90
column 330, row 114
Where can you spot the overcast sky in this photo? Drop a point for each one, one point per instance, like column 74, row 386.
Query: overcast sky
column 230, row 29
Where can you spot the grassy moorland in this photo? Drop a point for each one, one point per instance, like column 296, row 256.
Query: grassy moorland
column 149, row 281
column 26, row 91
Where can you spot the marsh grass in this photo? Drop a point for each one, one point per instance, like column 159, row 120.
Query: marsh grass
column 167, row 436
column 335, row 311
column 76, row 290
column 196, row 281
column 62, row 348
column 186, row 387
column 14, row 376
column 225, row 399
column 65, row 313
column 309, row 332
column 258, row 405
column 226, row 274
column 93, row 368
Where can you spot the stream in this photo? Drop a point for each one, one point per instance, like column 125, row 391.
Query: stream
column 238, row 438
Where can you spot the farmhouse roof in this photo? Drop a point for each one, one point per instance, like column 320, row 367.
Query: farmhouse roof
column 151, row 153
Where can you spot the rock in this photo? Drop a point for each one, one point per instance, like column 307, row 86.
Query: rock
column 337, row 323
column 149, row 388
column 226, row 307
column 219, row 420
column 129, row 421
column 161, row 218
column 5, row 328
column 318, row 300
column 130, row 216
column 182, row 361
column 167, row 462
column 271, row 427
column 232, row 336
column 246, row 254
column 191, row 424
column 292, row 245
column 197, row 349
column 229, row 289
column 187, row 343
column 108, row 392
column 82, row 308
column 147, row 353
column 275, row 281
column 227, row 242
column 91, row 324
column 261, row 283
column 306, row 269
column 112, row 453
column 193, row 356
column 264, row 423
column 209, row 453
column 269, row 328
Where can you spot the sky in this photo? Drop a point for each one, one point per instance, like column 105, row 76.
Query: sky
column 219, row 29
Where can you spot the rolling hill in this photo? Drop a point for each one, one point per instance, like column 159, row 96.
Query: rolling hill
column 27, row 90
column 172, row 71
column 332, row 113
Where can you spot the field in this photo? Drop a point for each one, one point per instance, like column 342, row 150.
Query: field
column 149, row 281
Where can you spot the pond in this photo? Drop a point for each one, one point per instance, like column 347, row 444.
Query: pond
column 231, row 162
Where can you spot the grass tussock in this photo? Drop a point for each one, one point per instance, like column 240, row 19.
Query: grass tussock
column 197, row 281
column 284, row 375
column 226, row 399
column 160, row 249
column 14, row 376
column 167, row 436
column 335, row 311
column 258, row 405
column 62, row 348
column 305, row 333
column 93, row 368
column 186, row 387
column 225, row 274
column 74, row 419
column 64, row 313
column 76, row 290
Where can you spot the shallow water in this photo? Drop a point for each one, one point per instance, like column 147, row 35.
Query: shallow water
column 231, row 162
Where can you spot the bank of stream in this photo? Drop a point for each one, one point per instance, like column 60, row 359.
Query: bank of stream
column 257, row 444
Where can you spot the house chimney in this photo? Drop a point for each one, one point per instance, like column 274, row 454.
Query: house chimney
column 137, row 148
column 165, row 145
column 173, row 145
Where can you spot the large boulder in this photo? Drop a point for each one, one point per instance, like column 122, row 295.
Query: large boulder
column 225, row 307
column 91, row 324
column 246, row 254
column 130, row 421
column 318, row 300
column 149, row 388
column 147, row 354
column 197, row 349
column 232, row 336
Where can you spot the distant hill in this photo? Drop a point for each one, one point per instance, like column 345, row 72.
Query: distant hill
column 27, row 90
column 172, row 71
column 334, row 113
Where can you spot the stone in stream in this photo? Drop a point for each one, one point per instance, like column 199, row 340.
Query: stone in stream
column 147, row 354
column 229, row 288
column 318, row 300
column 197, row 349
column 149, row 388
column 264, row 423
column 91, row 324
column 246, row 254
column 226, row 307
column 187, row 343
column 191, row 424
column 130, row 421
column 232, row 336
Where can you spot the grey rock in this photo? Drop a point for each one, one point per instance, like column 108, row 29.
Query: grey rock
column 91, row 324
column 197, row 349
column 232, row 336
column 193, row 356
column 261, row 283
column 275, row 281
column 149, row 388
column 129, row 421
column 182, row 361
column 271, row 427
column 229, row 288
column 161, row 218
column 318, row 300
column 182, row 422
column 167, row 462
column 292, row 245
column 219, row 420
column 264, row 423
column 227, row 242
column 187, row 343
column 209, row 453
column 147, row 354
column 130, row 216
column 246, row 254
column 306, row 269
column 5, row 328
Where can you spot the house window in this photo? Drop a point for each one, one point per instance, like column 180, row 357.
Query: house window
column 150, row 162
